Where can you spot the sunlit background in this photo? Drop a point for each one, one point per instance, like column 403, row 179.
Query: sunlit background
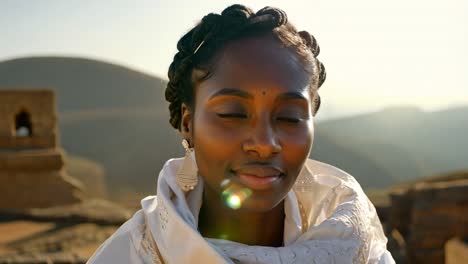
column 377, row 53
column 394, row 115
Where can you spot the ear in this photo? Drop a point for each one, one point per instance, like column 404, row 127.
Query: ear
column 186, row 127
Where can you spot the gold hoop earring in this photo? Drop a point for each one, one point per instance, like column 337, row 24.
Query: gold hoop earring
column 187, row 175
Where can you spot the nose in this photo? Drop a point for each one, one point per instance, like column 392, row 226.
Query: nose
column 262, row 140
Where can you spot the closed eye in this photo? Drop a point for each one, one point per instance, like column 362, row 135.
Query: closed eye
column 232, row 115
column 289, row 119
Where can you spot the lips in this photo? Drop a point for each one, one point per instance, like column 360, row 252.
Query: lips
column 259, row 177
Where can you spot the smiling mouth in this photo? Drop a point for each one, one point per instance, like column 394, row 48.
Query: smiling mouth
column 259, row 178
column 258, row 182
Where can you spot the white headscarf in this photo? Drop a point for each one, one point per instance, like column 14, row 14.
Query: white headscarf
column 328, row 219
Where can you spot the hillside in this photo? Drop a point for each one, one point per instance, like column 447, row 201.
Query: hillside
column 409, row 142
column 110, row 114
column 89, row 173
column 118, row 118
column 84, row 84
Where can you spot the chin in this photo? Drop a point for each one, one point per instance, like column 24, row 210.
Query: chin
column 238, row 196
column 260, row 204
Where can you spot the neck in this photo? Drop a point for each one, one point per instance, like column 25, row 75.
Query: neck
column 216, row 220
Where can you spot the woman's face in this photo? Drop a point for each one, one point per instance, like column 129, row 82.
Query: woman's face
column 252, row 126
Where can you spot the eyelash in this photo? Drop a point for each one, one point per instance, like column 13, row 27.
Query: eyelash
column 239, row 115
column 232, row 115
column 289, row 119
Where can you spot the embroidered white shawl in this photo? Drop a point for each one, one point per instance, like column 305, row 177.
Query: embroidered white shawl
column 329, row 219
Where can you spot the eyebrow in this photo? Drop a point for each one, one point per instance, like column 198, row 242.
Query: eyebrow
column 246, row 95
column 232, row 92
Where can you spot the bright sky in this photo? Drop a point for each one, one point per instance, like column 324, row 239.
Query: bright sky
column 377, row 53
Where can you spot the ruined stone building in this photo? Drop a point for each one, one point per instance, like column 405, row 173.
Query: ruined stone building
column 32, row 173
column 427, row 220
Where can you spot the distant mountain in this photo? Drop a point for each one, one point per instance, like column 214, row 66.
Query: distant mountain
column 405, row 142
column 89, row 173
column 110, row 114
column 84, row 84
column 119, row 118
column 364, row 168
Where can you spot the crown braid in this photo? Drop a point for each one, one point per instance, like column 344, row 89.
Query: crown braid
column 198, row 46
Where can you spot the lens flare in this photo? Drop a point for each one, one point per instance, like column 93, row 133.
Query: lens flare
column 234, row 202
column 225, row 183
column 235, row 196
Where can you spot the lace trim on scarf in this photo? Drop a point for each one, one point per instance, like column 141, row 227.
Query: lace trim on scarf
column 146, row 245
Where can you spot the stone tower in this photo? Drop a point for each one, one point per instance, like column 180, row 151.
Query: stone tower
column 32, row 171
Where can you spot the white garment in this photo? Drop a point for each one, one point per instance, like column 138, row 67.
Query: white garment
column 328, row 219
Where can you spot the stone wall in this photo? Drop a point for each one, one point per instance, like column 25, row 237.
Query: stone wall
column 32, row 172
column 31, row 160
column 456, row 251
column 22, row 190
column 428, row 215
column 40, row 105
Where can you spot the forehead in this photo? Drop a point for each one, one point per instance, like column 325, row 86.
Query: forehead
column 259, row 62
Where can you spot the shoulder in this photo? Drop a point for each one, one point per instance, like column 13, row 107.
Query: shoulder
column 335, row 201
column 131, row 243
column 322, row 179
column 119, row 248
column 328, row 171
column 329, row 187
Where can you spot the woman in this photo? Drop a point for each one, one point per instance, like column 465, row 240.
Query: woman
column 243, row 92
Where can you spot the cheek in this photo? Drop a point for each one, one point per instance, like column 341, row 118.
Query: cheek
column 215, row 145
column 216, row 136
column 296, row 148
column 297, row 143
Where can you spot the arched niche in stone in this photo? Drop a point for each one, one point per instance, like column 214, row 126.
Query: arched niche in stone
column 23, row 124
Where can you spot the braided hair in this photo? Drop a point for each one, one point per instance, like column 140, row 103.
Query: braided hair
column 197, row 49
